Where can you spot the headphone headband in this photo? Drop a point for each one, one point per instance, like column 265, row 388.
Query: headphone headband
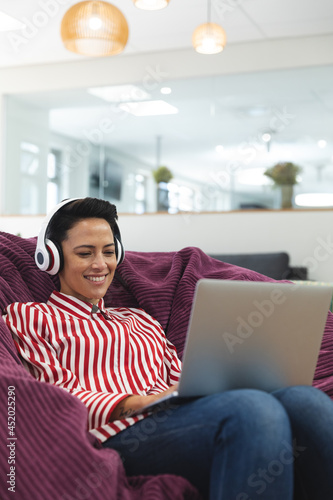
column 48, row 255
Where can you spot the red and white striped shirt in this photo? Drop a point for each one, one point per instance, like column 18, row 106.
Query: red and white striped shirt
column 100, row 357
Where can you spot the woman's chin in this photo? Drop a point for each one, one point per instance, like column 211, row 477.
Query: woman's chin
column 97, row 292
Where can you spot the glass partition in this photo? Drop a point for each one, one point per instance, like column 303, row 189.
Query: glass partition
column 216, row 135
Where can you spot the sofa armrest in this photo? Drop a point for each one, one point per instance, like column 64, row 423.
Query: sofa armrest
column 297, row 273
column 273, row 265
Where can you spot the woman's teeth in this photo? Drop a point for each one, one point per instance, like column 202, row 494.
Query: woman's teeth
column 95, row 278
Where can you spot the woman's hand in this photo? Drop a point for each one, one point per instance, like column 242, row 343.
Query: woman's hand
column 130, row 405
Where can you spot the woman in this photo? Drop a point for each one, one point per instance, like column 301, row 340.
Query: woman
column 242, row 444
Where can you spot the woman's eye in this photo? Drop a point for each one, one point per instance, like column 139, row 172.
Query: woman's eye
column 83, row 254
column 109, row 253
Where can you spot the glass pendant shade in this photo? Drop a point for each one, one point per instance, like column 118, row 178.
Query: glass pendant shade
column 151, row 4
column 94, row 28
column 209, row 38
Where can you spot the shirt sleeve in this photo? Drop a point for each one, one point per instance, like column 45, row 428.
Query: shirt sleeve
column 30, row 330
column 172, row 366
column 172, row 363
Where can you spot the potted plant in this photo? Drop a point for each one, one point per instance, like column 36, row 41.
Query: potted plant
column 284, row 174
column 162, row 174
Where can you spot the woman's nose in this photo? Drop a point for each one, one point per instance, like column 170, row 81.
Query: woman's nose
column 99, row 261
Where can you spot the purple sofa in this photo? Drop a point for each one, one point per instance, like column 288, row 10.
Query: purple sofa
column 49, row 454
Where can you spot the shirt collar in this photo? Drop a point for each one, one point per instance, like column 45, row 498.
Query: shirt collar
column 74, row 306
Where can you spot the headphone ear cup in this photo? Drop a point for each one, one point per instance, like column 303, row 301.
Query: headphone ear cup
column 120, row 252
column 56, row 257
column 48, row 254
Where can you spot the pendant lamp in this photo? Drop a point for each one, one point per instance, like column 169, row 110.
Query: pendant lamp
column 94, row 28
column 151, row 4
column 209, row 38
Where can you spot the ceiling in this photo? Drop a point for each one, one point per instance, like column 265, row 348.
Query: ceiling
column 166, row 29
column 295, row 105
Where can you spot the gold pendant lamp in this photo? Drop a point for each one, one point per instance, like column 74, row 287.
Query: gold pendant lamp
column 94, row 28
column 209, row 38
column 151, row 4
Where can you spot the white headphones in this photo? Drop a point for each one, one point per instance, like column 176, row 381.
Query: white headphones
column 48, row 254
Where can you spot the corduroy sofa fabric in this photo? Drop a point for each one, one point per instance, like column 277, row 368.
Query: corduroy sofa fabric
column 55, row 456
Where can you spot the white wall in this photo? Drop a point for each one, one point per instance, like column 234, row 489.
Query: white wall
column 306, row 235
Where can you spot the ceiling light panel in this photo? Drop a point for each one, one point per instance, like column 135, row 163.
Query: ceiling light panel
column 151, row 4
column 9, row 23
column 149, row 108
column 120, row 93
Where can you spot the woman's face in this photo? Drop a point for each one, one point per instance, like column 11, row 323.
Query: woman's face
column 89, row 260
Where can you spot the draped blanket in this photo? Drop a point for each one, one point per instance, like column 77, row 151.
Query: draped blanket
column 54, row 455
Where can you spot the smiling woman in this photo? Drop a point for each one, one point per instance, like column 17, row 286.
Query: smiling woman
column 89, row 260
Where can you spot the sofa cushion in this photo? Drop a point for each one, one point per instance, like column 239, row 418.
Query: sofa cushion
column 55, row 447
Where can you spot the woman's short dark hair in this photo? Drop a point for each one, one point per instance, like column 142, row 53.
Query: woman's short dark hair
column 72, row 213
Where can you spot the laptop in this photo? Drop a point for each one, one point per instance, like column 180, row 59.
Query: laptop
column 244, row 334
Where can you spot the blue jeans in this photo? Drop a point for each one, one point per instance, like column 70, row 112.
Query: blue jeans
column 239, row 445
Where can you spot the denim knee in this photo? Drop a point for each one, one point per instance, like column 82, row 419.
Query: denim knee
column 252, row 413
column 303, row 396
column 307, row 407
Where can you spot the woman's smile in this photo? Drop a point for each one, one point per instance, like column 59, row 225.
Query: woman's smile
column 97, row 279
